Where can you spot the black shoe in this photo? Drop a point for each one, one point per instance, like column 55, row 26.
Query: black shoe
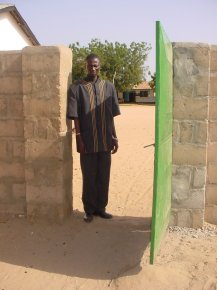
column 88, row 217
column 103, row 214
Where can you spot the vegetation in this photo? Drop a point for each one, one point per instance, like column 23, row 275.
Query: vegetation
column 123, row 65
column 152, row 82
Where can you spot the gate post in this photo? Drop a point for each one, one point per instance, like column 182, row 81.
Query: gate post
column 190, row 133
column 48, row 152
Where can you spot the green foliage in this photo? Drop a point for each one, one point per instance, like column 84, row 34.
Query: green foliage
column 121, row 64
column 152, row 82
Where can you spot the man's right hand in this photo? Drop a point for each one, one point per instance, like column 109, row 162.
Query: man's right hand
column 80, row 144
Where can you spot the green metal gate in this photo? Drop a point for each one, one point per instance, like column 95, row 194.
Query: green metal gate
column 163, row 141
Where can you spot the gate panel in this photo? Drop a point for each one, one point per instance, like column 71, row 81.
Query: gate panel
column 163, row 140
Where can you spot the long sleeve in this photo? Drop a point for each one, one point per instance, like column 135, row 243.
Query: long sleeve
column 73, row 103
column 115, row 105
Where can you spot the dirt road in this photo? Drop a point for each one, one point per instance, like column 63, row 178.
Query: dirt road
column 111, row 254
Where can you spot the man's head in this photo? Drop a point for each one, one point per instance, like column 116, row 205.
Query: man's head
column 93, row 64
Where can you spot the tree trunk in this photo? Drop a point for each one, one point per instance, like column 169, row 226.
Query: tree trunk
column 113, row 79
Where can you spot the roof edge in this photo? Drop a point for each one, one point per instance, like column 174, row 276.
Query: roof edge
column 21, row 22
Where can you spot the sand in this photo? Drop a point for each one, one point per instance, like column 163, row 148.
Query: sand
column 110, row 254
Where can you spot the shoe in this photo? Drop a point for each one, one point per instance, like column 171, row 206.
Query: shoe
column 103, row 214
column 88, row 217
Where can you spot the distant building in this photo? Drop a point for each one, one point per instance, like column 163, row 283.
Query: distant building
column 15, row 34
column 141, row 93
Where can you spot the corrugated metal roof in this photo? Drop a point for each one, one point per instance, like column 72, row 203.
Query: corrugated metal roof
column 142, row 86
column 20, row 21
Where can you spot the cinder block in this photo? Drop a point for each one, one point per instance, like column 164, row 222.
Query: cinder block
column 181, row 184
column 47, row 108
column 46, row 130
column 184, row 218
column 29, row 173
column 189, row 154
column 42, row 85
column 19, row 191
column 12, row 209
column 173, row 218
column 30, row 128
column 201, row 132
column 199, row 178
column 213, row 86
column 5, row 191
column 19, row 149
column 186, row 131
column 45, row 194
column 212, row 152
column 213, row 58
column 39, row 149
column 3, row 150
column 15, row 107
column 211, row 194
column 189, row 86
column 195, row 200
column 49, row 173
column 11, row 170
column 197, row 52
column 212, row 172
column 212, row 109
column 3, row 107
column 213, row 131
column 211, row 214
column 10, row 62
column 190, row 108
column 11, row 128
column 197, row 218
column 49, row 211
column 176, row 131
column 11, row 84
column 41, row 58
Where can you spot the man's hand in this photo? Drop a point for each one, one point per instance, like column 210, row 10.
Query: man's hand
column 114, row 145
column 80, row 144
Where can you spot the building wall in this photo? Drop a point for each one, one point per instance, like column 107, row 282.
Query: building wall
column 190, row 133
column 12, row 36
column 35, row 140
column 211, row 188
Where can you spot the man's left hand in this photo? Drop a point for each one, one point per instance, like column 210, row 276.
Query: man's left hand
column 114, row 145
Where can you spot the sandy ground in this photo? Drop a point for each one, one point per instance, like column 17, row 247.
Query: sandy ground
column 111, row 254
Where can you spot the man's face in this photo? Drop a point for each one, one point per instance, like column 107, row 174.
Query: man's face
column 93, row 66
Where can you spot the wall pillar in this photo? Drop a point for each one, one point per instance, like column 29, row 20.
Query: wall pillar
column 190, row 133
column 48, row 152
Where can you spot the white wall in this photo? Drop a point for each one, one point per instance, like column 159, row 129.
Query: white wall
column 11, row 35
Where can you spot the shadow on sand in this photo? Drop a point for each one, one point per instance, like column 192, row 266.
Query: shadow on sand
column 103, row 249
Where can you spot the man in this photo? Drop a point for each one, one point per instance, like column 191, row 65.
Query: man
column 92, row 104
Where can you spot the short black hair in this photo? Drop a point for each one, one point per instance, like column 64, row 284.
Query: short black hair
column 92, row 56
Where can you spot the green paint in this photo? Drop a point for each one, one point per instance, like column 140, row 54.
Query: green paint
column 163, row 141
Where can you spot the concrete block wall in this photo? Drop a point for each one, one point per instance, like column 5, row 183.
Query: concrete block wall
column 190, row 133
column 211, row 188
column 12, row 157
column 36, row 167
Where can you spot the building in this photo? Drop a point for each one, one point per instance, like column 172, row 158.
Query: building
column 143, row 93
column 15, row 34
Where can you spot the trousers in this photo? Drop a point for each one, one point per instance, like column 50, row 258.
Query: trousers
column 95, row 168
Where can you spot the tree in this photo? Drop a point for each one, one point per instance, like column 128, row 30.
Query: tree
column 121, row 64
column 152, row 82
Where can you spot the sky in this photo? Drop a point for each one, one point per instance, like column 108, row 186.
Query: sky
column 63, row 22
